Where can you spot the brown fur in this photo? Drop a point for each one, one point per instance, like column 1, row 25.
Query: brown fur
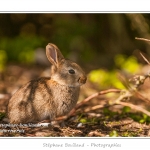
column 48, row 98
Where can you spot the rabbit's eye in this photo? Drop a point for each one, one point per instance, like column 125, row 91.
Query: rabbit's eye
column 71, row 71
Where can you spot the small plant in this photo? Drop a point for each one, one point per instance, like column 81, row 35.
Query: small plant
column 2, row 115
column 113, row 133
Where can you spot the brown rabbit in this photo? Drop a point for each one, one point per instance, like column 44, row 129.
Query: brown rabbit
column 48, row 98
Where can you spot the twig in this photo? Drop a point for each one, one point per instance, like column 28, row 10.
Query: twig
column 132, row 106
column 138, row 81
column 128, row 94
column 144, row 58
column 124, row 95
column 97, row 94
column 95, row 107
column 93, row 96
column 118, row 123
column 142, row 39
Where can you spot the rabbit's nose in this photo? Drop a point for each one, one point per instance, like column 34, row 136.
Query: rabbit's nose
column 82, row 80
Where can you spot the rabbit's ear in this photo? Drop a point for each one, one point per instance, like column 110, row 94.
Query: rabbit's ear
column 53, row 54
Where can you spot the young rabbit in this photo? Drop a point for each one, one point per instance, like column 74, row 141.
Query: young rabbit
column 48, row 98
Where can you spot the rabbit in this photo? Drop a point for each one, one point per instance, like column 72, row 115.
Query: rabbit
column 48, row 97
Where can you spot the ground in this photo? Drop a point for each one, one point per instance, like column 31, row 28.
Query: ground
column 94, row 118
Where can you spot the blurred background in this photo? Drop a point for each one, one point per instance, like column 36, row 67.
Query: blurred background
column 100, row 43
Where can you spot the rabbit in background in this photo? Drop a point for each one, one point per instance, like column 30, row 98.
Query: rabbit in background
column 48, row 97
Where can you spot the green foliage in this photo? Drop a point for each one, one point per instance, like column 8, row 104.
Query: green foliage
column 21, row 48
column 87, row 38
column 141, row 118
column 113, row 133
column 128, row 64
column 83, row 120
column 108, row 113
column 105, row 79
column 26, row 56
column 3, row 60
column 72, row 36
column 126, row 112
column 129, row 134
column 86, row 120
column 126, row 109
column 2, row 115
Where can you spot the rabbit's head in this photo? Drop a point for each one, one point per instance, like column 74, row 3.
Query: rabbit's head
column 64, row 71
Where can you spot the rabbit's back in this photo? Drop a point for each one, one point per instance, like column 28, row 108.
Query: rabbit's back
column 41, row 99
